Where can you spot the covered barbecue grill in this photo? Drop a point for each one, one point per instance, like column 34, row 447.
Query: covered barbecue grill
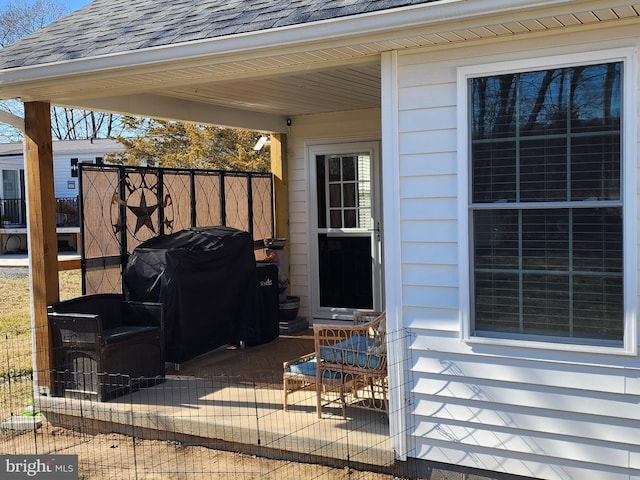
column 206, row 280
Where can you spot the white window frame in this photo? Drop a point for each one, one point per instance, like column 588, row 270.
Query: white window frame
column 629, row 168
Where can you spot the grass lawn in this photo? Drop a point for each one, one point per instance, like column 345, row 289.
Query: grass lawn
column 15, row 317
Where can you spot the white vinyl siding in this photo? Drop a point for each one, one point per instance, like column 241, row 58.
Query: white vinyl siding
column 62, row 175
column 428, row 201
column 556, row 414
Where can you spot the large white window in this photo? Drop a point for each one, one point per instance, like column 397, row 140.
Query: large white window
column 545, row 204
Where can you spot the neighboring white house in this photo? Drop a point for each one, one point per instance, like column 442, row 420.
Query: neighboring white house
column 67, row 155
column 479, row 157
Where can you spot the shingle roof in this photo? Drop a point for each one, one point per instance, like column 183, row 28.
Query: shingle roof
column 111, row 26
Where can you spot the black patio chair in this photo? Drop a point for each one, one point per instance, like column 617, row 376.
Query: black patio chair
column 105, row 346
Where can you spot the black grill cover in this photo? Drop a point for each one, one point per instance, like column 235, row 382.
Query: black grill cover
column 205, row 277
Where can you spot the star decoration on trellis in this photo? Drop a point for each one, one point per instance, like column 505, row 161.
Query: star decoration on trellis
column 139, row 196
column 143, row 213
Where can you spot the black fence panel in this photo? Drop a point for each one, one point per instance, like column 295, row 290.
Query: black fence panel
column 13, row 212
column 122, row 206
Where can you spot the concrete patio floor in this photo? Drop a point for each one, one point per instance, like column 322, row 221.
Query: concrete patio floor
column 232, row 399
column 240, row 416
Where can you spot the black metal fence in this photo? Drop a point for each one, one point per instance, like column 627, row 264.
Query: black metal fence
column 14, row 212
column 123, row 206
column 212, row 422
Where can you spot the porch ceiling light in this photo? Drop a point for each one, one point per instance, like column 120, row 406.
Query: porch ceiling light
column 262, row 141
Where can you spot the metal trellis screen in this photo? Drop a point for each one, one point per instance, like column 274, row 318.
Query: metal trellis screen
column 123, row 206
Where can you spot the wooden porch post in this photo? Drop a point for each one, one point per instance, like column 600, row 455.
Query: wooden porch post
column 279, row 167
column 43, row 242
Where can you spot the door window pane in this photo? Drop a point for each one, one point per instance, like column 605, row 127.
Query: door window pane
column 349, row 194
column 335, row 169
column 335, row 219
column 346, row 276
column 335, row 196
column 348, row 190
column 348, row 169
column 350, row 218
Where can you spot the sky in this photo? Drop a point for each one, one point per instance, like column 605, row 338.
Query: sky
column 72, row 4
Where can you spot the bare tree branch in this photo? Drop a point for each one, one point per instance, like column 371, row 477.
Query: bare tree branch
column 20, row 18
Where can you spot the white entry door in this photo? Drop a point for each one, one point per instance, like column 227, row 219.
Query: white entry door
column 345, row 233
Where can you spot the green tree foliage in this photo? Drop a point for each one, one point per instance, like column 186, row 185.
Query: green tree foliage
column 184, row 145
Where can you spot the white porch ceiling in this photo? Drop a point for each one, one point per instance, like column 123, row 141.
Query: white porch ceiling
column 330, row 90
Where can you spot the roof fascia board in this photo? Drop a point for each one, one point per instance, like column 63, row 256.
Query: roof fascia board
column 161, row 107
column 271, row 40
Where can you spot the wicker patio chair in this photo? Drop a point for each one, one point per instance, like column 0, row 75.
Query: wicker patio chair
column 358, row 354
column 346, row 359
column 301, row 374
column 364, row 316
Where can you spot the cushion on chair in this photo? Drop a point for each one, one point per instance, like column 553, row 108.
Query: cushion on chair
column 356, row 351
column 308, row 368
